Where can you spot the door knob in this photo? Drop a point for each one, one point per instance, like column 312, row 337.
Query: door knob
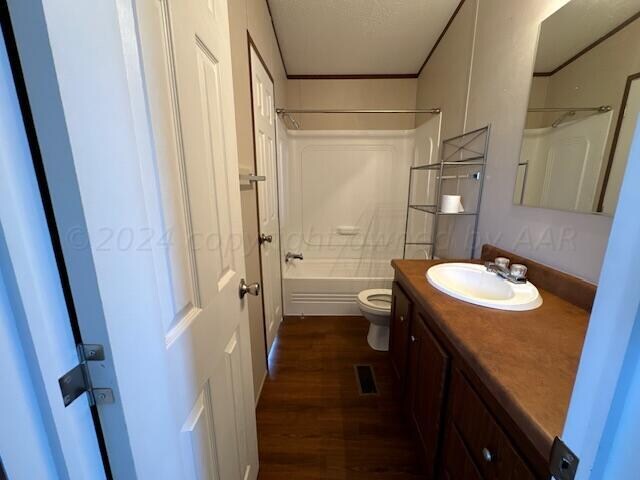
column 487, row 455
column 265, row 238
column 251, row 289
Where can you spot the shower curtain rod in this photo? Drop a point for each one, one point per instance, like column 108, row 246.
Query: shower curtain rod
column 601, row 109
column 280, row 111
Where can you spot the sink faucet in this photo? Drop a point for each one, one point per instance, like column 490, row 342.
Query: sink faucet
column 516, row 274
column 292, row 256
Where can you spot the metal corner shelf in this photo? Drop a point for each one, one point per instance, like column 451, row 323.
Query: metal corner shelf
column 433, row 209
column 471, row 161
column 462, row 146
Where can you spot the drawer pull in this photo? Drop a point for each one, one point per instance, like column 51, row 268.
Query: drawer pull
column 402, row 318
column 486, row 454
column 413, row 339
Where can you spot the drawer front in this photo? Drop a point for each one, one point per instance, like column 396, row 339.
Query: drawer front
column 486, row 443
column 399, row 333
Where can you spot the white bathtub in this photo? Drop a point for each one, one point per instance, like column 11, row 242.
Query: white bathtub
column 330, row 286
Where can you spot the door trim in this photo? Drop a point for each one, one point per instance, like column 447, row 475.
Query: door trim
column 252, row 45
column 45, row 196
column 616, row 134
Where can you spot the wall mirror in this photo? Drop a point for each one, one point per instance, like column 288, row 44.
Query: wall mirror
column 583, row 106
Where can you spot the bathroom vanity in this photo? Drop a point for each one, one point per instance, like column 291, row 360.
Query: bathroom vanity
column 486, row 391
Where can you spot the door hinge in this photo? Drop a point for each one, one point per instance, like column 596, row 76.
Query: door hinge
column 78, row 380
column 563, row 463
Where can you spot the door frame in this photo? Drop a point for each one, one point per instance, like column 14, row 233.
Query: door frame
column 608, row 340
column 614, row 142
column 113, row 99
column 251, row 45
column 7, row 31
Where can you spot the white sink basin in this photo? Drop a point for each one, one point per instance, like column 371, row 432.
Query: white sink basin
column 472, row 283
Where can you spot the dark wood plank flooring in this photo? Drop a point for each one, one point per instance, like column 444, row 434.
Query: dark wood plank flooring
column 313, row 424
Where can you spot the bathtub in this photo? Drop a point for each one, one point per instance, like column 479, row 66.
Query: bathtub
column 330, row 286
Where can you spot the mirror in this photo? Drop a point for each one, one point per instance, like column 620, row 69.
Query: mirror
column 583, row 107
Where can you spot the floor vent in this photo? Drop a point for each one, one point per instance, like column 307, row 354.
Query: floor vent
column 366, row 380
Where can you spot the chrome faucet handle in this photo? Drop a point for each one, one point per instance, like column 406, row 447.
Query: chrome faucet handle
column 502, row 262
column 518, row 271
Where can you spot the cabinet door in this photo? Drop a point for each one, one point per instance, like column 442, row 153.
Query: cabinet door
column 457, row 465
column 399, row 334
column 487, row 444
column 428, row 371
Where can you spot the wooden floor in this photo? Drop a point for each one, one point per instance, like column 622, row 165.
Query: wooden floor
column 312, row 421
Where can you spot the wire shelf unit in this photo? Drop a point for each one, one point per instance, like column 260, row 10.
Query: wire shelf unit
column 466, row 150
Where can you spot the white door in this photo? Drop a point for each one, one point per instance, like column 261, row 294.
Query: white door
column 264, row 126
column 186, row 56
column 134, row 108
column 573, row 160
column 39, row 437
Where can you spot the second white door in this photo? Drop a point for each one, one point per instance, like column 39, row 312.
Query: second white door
column 264, row 128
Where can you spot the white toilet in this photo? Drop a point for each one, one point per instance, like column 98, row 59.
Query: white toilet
column 375, row 305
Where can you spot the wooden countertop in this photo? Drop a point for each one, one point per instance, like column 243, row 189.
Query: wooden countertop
column 527, row 360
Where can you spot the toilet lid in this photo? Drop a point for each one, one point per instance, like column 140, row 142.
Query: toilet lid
column 376, row 299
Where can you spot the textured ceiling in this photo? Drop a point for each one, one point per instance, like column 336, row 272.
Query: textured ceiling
column 362, row 37
column 576, row 25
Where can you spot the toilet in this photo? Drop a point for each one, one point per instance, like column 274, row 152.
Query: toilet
column 375, row 305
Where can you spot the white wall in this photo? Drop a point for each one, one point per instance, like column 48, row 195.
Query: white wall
column 505, row 45
column 368, row 93
column 500, row 57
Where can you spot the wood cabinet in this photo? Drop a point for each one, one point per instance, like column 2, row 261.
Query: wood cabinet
column 399, row 334
column 457, row 435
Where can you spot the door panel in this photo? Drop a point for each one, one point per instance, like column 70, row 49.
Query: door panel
column 428, row 370
column 197, row 433
column 399, row 335
column 457, row 465
column 264, row 124
column 186, row 58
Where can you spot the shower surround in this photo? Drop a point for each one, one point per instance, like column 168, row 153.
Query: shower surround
column 343, row 205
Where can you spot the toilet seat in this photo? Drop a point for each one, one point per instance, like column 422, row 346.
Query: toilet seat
column 375, row 300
